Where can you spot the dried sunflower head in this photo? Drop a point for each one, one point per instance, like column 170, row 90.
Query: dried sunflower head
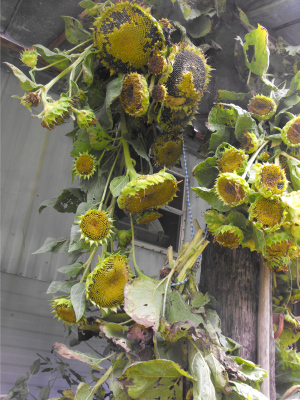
column 29, row 57
column 232, row 160
column 187, row 77
column 95, row 227
column 167, row 149
column 290, row 134
column 105, row 285
column 57, row 112
column 30, row 99
column 125, row 35
column 84, row 165
column 262, row 107
column 267, row 214
column 157, row 63
column 249, row 143
column 270, row 180
column 159, row 93
column 229, row 236
column 232, row 189
column 278, row 264
column 278, row 245
column 175, row 121
column 135, row 95
column 63, row 309
column 147, row 191
column 214, row 220
column 147, row 217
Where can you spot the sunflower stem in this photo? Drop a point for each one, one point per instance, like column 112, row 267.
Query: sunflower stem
column 108, row 180
column 128, row 161
column 138, row 272
column 252, row 159
column 88, row 264
column 283, row 153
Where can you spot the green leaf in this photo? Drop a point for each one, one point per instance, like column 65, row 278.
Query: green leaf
column 86, row 358
column 153, row 379
column 88, row 68
column 83, row 391
column 222, row 116
column 95, row 191
column 143, row 301
column 140, row 150
column 179, row 311
column 58, row 286
column 203, row 388
column 87, row 4
column 259, row 239
column 244, row 20
column 24, row 82
column 75, row 33
column 185, row 9
column 217, row 138
column 98, row 138
column 35, row 367
column 199, row 27
column 62, row 61
column 206, row 172
column 194, row 13
column 247, row 392
column 113, row 91
column 220, row 377
column 238, row 219
column 200, row 300
column 258, row 38
column 244, row 123
column 225, row 95
column 81, row 144
column 117, row 184
column 59, row 245
column 72, row 269
column 67, row 201
column 78, row 299
column 295, row 84
column 44, row 393
column 250, row 370
column 294, row 174
column 210, row 196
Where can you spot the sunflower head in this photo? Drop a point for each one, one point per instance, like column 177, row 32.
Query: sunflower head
column 125, row 35
column 63, row 310
column 95, row 227
column 175, row 121
column 187, row 78
column 105, row 285
column 148, row 191
column 84, row 165
column 229, row 236
column 135, row 95
column 278, row 245
column 167, row 149
column 291, row 132
column 147, row 217
column 233, row 160
column 157, row 63
column 232, row 189
column 262, row 107
column 56, row 112
column 85, row 118
column 214, row 220
column 249, row 143
column 270, row 180
column 159, row 93
column 278, row 264
column 267, row 214
column 30, row 99
column 29, row 57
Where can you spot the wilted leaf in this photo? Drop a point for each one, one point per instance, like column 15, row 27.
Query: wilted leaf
column 64, row 352
column 220, row 377
column 259, row 239
column 117, row 184
column 99, row 139
column 78, row 299
column 75, row 33
column 206, row 172
column 179, row 311
column 25, row 83
column 258, row 41
column 203, row 388
column 143, row 301
column 113, row 91
column 153, row 379
column 210, row 196
column 294, row 174
column 117, row 333
column 225, row 95
column 53, row 245
column 88, row 68
column 199, row 27
column 62, row 61
column 67, row 201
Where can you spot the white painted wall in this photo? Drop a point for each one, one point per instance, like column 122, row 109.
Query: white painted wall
column 33, row 162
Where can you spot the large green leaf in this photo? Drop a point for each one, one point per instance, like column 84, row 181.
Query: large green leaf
column 78, row 299
column 83, row 391
column 222, row 116
column 203, row 388
column 199, row 27
column 206, row 172
column 67, row 201
column 153, row 379
column 258, row 41
column 179, row 311
column 117, row 184
column 95, row 191
column 25, row 83
column 245, row 391
column 250, row 370
column 59, row 286
column 113, row 91
column 53, row 245
column 219, row 137
column 81, row 144
column 225, row 95
column 295, row 84
column 220, row 377
column 75, row 33
column 244, row 123
column 294, row 174
column 210, row 196
column 62, row 61
column 140, row 150
column 143, row 301
column 98, row 138
column 72, row 269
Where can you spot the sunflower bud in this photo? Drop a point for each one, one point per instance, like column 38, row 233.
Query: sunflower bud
column 262, row 107
column 85, row 118
column 57, row 112
column 29, row 57
column 84, row 165
column 124, row 237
